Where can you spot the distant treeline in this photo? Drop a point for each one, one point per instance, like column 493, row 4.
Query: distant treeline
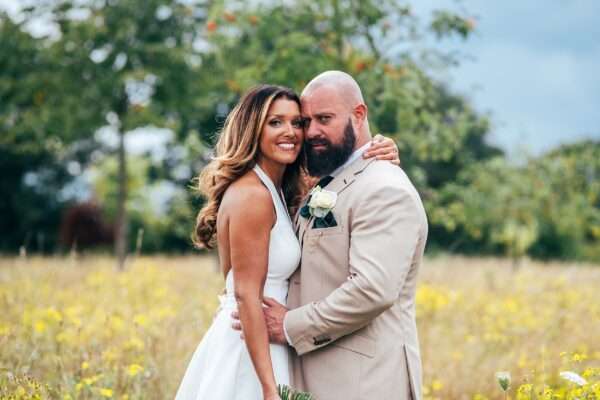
column 70, row 99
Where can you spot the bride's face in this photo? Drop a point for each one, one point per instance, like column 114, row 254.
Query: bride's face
column 282, row 135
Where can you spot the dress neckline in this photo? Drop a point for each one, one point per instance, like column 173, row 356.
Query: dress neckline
column 271, row 186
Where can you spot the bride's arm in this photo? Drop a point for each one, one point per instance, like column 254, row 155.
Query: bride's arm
column 250, row 222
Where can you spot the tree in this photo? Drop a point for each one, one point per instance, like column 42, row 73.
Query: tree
column 125, row 63
column 547, row 208
column 567, row 184
column 34, row 167
column 491, row 206
column 438, row 132
column 130, row 64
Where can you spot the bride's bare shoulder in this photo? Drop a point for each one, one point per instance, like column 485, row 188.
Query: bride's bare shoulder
column 247, row 194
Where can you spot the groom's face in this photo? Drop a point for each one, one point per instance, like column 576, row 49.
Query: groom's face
column 329, row 135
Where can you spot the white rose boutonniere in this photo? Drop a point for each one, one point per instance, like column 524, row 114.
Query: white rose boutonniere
column 321, row 202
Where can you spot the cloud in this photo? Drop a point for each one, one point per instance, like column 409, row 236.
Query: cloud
column 539, row 98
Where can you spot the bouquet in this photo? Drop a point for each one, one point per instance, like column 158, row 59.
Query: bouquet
column 287, row 393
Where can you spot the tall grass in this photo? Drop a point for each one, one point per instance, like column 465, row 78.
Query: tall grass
column 78, row 329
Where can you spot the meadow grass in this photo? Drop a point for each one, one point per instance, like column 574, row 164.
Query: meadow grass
column 78, row 329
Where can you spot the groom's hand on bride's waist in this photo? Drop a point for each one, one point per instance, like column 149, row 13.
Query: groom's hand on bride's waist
column 274, row 313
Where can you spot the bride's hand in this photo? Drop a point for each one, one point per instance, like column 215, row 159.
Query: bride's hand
column 383, row 148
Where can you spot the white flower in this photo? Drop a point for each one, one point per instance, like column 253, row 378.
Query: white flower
column 321, row 202
column 573, row 378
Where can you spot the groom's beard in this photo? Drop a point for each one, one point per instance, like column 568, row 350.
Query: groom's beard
column 324, row 162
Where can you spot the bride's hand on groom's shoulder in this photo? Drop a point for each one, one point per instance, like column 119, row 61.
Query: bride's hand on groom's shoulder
column 383, row 148
column 274, row 313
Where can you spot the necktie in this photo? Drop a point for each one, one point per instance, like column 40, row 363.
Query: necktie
column 324, row 181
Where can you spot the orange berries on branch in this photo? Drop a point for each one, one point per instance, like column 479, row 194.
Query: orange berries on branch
column 211, row 26
column 229, row 17
column 360, row 66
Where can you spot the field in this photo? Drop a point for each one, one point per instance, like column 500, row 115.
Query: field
column 77, row 329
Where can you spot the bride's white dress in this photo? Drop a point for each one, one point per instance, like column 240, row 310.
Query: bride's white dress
column 221, row 368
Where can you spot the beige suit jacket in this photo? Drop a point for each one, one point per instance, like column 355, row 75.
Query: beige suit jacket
column 352, row 300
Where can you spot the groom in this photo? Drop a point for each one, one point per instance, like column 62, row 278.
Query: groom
column 350, row 312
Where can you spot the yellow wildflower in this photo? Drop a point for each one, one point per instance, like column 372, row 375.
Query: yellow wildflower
column 436, row 385
column 92, row 379
column 54, row 315
column 135, row 343
column 141, row 320
column 40, row 326
column 134, row 369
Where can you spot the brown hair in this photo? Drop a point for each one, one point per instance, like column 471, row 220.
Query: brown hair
column 236, row 152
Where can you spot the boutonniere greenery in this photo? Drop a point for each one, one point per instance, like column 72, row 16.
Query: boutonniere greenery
column 319, row 205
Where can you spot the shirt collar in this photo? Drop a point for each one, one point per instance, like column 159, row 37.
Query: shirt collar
column 353, row 157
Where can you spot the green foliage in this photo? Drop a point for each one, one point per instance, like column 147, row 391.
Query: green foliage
column 161, row 63
column 124, row 64
column 548, row 208
column 567, row 182
column 290, row 43
column 29, row 208
column 287, row 393
column 166, row 226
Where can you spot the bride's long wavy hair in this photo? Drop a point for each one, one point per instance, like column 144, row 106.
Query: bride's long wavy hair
column 236, row 152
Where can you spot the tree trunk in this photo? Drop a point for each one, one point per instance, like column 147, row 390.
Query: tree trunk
column 122, row 223
column 339, row 34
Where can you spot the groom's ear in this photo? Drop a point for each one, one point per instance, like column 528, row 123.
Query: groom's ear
column 360, row 115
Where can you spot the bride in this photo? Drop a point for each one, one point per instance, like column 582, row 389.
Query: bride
column 255, row 182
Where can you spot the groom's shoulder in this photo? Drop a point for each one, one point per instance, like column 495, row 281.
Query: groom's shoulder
column 381, row 179
column 387, row 183
column 380, row 174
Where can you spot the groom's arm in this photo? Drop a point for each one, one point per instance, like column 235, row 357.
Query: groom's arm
column 384, row 235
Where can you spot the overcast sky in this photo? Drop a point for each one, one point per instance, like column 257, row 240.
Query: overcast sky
column 534, row 65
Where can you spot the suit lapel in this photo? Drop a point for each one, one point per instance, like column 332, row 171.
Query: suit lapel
column 337, row 185
column 301, row 223
column 348, row 175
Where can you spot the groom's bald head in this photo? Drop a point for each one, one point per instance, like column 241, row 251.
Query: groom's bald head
column 341, row 83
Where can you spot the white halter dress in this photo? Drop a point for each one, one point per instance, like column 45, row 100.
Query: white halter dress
column 221, row 368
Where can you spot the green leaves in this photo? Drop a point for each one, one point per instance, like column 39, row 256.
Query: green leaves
column 503, row 378
column 446, row 23
column 183, row 67
column 548, row 207
column 287, row 393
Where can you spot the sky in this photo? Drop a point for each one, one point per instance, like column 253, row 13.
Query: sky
column 534, row 66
